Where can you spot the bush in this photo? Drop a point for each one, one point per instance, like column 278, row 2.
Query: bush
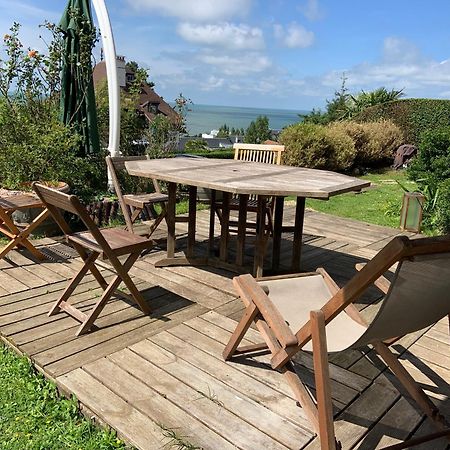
column 42, row 148
column 317, row 146
column 431, row 170
column 413, row 116
column 433, row 160
column 196, row 145
column 375, row 142
column 443, row 207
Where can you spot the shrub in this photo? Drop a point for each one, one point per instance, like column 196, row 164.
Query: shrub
column 196, row 145
column 316, row 146
column 42, row 148
column 443, row 207
column 413, row 116
column 375, row 142
column 433, row 160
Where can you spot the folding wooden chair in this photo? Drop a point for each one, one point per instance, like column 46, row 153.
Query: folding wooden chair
column 18, row 235
column 134, row 204
column 109, row 243
column 267, row 154
column 308, row 312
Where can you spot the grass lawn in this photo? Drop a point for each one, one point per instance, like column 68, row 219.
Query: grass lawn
column 380, row 204
column 34, row 417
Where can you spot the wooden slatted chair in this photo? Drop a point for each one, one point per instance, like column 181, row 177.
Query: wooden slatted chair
column 18, row 235
column 109, row 243
column 262, row 153
column 308, row 312
column 133, row 204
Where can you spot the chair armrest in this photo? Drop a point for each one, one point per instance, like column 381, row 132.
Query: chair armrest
column 251, row 292
column 382, row 283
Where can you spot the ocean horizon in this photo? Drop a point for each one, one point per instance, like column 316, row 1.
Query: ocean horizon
column 204, row 118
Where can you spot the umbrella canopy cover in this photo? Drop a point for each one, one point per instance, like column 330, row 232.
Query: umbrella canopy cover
column 77, row 104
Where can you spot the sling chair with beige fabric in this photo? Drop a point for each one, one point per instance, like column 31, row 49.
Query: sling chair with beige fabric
column 110, row 244
column 134, row 204
column 309, row 312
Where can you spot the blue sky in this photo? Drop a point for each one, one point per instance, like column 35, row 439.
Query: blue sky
column 271, row 53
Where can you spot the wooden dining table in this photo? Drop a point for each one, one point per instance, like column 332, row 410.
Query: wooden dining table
column 242, row 179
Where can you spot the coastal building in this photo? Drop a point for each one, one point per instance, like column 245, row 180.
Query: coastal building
column 150, row 104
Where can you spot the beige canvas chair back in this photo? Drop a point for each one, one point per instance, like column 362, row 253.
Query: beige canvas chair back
column 419, row 296
column 268, row 154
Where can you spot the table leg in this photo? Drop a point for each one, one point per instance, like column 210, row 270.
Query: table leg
column 225, row 235
column 170, row 218
column 212, row 222
column 277, row 231
column 192, row 220
column 298, row 233
column 260, row 245
column 242, row 225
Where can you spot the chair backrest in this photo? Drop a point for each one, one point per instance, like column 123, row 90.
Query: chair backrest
column 269, row 154
column 55, row 201
column 115, row 164
column 419, row 296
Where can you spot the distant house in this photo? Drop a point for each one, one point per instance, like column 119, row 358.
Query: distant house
column 150, row 103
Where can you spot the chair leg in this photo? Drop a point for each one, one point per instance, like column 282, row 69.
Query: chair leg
column 88, row 263
column 244, row 324
column 122, row 272
column 322, row 379
column 414, row 390
column 109, row 291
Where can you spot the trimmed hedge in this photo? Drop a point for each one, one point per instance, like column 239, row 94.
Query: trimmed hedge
column 317, row 147
column 375, row 142
column 413, row 115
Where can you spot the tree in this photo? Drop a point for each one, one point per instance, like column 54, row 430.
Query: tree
column 378, row 96
column 141, row 74
column 258, row 131
column 224, row 131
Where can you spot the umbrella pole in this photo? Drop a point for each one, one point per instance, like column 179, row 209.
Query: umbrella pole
column 111, row 75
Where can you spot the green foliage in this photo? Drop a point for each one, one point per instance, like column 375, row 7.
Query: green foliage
column 196, row 145
column 431, row 170
column 182, row 107
column 443, row 207
column 34, row 417
column 34, row 145
column 141, row 74
column 220, row 154
column 317, row 146
column 133, row 124
column 346, row 106
column 224, row 131
column 161, row 137
column 433, row 160
column 258, row 131
column 380, row 204
column 412, row 116
column 375, row 142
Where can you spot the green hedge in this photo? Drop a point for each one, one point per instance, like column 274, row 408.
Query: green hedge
column 413, row 115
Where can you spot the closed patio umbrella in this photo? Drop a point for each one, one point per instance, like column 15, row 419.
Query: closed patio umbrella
column 77, row 105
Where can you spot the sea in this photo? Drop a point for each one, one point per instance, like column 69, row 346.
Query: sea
column 204, row 118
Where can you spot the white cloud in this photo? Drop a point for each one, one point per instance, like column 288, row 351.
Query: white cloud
column 196, row 10
column 226, row 35
column 212, row 83
column 240, row 65
column 311, row 10
column 294, row 35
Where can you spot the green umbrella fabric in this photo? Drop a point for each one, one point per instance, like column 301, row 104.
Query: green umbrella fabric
column 77, row 105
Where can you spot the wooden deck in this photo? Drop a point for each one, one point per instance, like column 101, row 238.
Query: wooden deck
column 162, row 377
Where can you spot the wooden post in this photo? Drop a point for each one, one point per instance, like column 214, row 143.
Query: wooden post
column 260, row 246
column 170, row 219
column 298, row 233
column 212, row 220
column 192, row 220
column 242, row 224
column 224, row 235
column 277, row 230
